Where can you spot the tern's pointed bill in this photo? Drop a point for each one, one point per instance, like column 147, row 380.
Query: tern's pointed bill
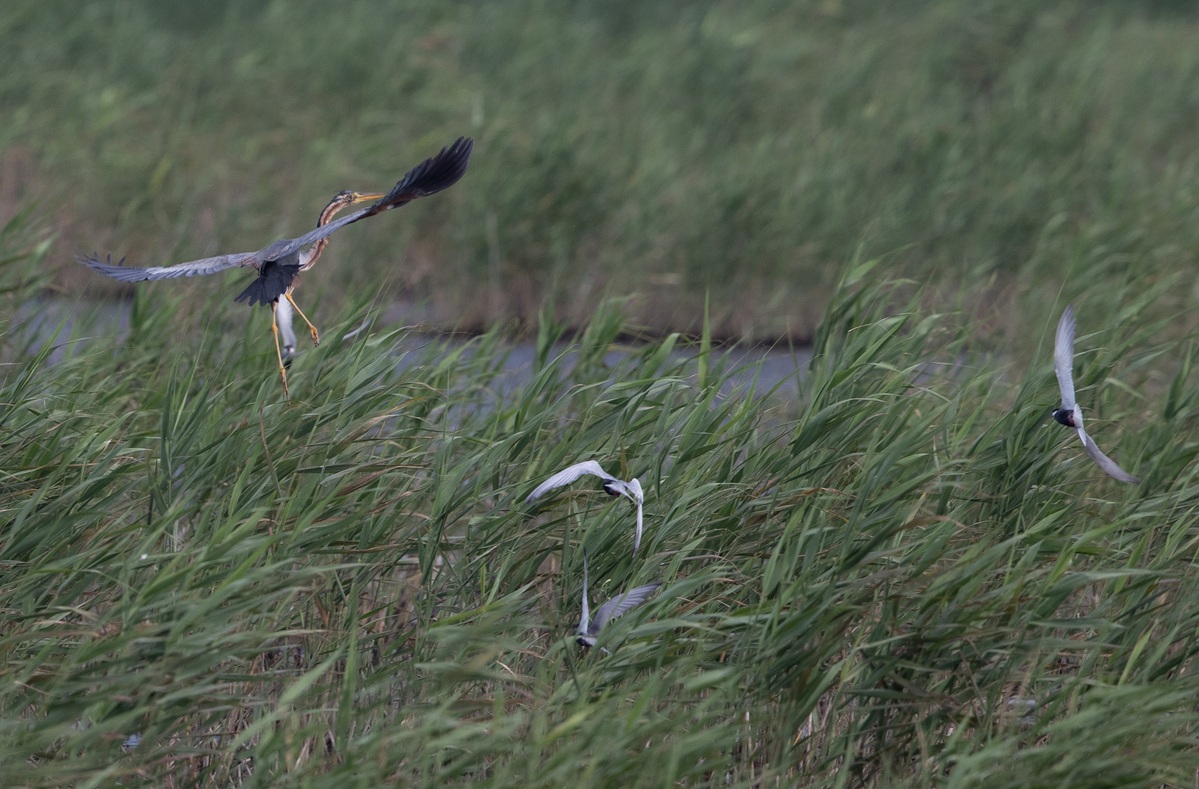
column 1069, row 414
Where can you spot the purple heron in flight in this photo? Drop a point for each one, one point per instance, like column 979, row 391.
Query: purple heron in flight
column 279, row 264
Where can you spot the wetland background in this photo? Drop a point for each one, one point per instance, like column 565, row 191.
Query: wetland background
column 888, row 573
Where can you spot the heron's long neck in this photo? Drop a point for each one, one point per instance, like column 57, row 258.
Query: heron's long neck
column 327, row 213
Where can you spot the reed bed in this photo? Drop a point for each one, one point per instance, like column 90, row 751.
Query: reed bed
column 906, row 575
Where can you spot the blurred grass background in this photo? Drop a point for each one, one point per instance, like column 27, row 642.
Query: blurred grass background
column 655, row 150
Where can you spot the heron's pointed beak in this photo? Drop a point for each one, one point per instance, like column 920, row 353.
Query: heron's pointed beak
column 362, row 197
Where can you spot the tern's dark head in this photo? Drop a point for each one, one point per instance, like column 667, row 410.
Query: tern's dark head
column 1065, row 416
column 610, row 488
column 586, row 642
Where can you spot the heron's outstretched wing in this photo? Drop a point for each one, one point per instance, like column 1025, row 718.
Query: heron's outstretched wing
column 1107, row 464
column 429, row 177
column 569, row 475
column 1063, row 356
column 620, row 604
column 192, row 268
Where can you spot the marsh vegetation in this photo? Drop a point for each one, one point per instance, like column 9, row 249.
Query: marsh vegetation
column 895, row 570
column 897, row 576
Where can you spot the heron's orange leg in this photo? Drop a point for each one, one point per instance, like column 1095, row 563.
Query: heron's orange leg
column 316, row 336
column 278, row 352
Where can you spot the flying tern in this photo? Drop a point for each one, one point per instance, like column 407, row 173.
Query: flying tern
column 590, row 628
column 1070, row 414
column 631, row 489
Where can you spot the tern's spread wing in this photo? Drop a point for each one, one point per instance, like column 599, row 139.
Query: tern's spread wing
column 621, row 604
column 569, row 475
column 191, row 268
column 585, row 621
column 634, row 488
column 429, row 177
column 637, row 534
column 1063, row 356
column 1107, row 464
column 631, row 490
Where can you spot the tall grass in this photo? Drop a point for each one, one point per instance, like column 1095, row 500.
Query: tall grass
column 660, row 151
column 908, row 575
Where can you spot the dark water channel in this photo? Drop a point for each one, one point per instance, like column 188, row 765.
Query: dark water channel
column 86, row 325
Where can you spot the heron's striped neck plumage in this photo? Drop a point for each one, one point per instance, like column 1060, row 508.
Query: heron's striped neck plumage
column 307, row 259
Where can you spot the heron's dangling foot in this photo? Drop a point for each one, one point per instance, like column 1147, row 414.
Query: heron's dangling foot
column 316, row 336
column 278, row 352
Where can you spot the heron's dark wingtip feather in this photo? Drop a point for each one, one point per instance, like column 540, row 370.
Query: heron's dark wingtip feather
column 117, row 271
column 270, row 284
column 430, row 176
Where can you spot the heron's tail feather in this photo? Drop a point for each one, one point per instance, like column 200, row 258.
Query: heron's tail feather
column 271, row 283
